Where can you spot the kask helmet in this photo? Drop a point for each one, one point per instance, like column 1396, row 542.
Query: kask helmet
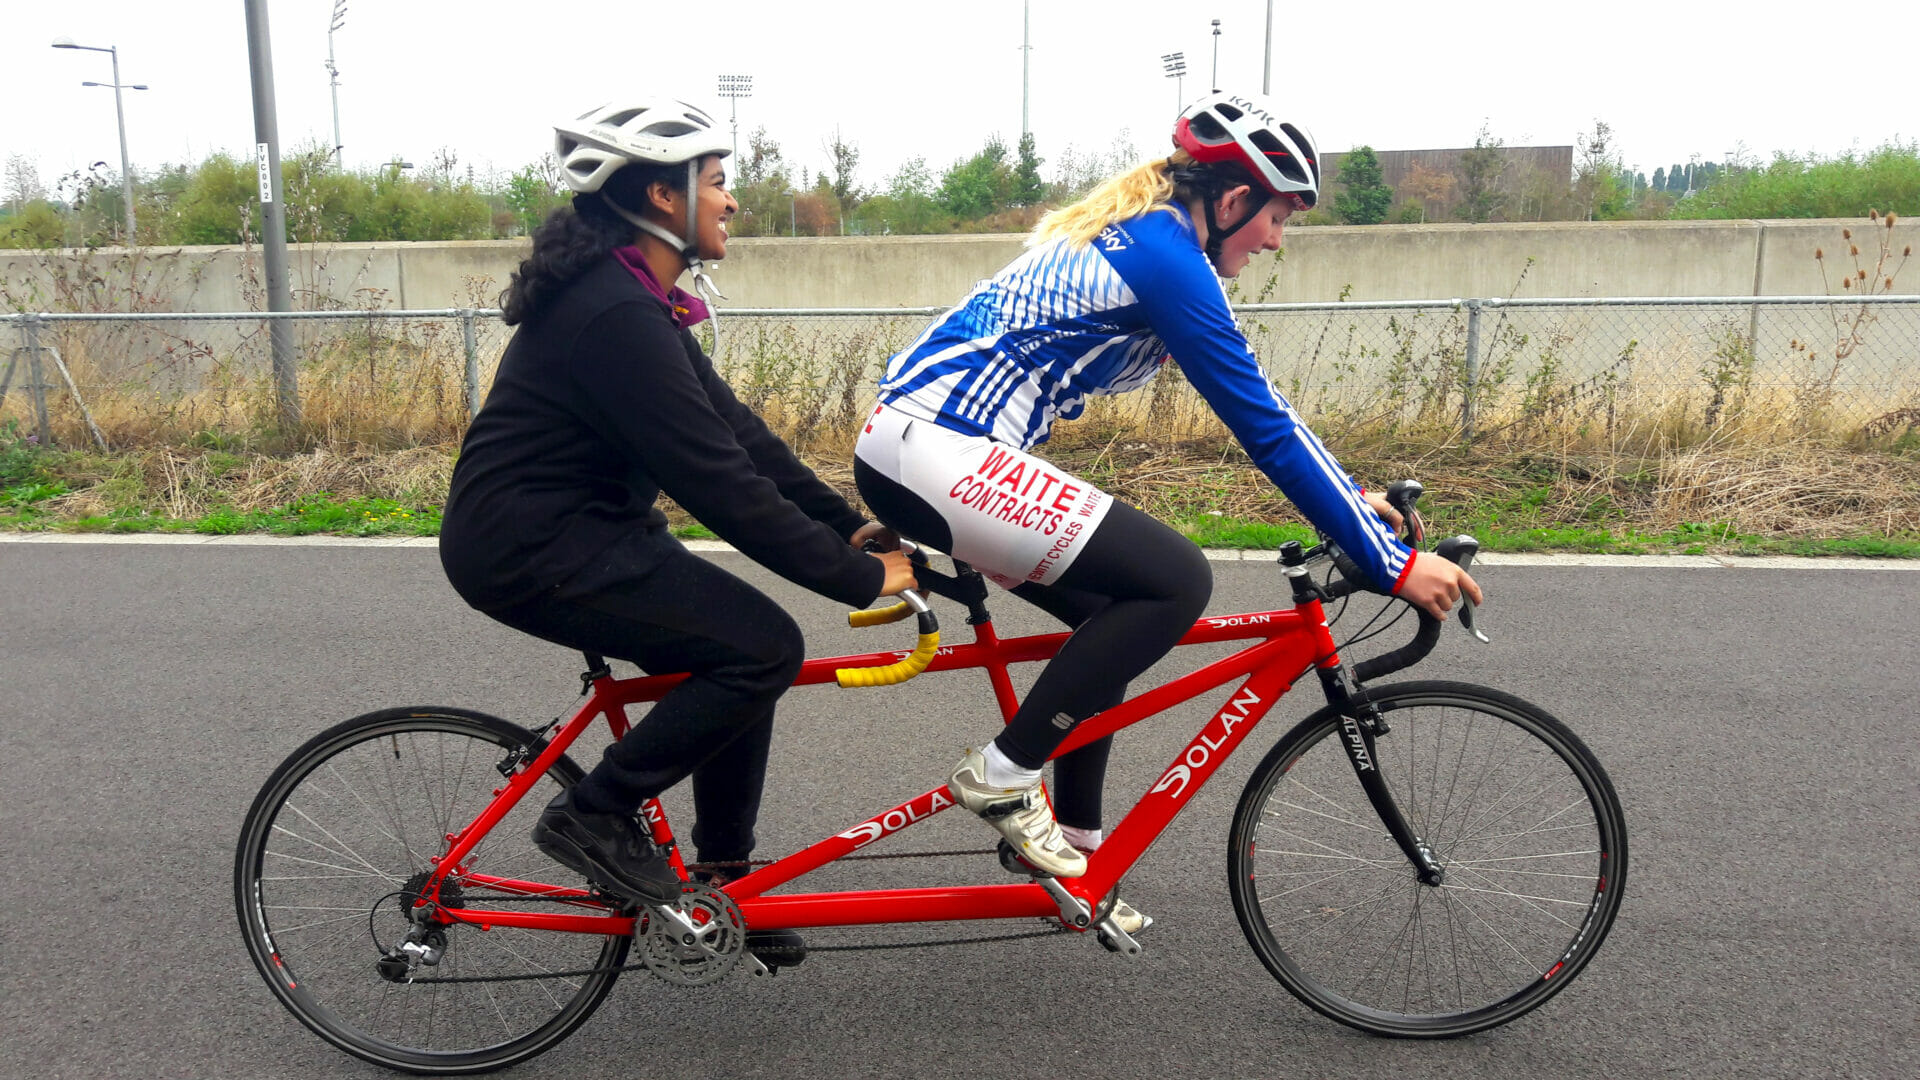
column 1245, row 130
column 653, row 131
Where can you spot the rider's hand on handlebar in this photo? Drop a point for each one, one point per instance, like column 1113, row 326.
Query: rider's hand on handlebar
column 1394, row 519
column 877, row 535
column 899, row 572
column 1435, row 585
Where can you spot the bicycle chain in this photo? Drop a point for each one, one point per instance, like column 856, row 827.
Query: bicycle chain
column 642, row 966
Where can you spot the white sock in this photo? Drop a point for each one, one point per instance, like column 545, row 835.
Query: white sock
column 1002, row 772
column 1084, row 839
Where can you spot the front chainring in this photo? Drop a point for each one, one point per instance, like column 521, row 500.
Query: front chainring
column 697, row 941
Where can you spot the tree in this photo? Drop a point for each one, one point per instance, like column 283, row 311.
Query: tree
column 1428, row 186
column 762, row 161
column 534, row 192
column 1028, row 188
column 1367, row 198
column 1599, row 180
column 980, row 185
column 1659, row 179
column 846, row 158
column 23, row 182
column 1480, row 171
column 764, row 190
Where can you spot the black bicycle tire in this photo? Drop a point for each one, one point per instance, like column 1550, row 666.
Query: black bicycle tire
column 316, row 1016
column 1556, row 736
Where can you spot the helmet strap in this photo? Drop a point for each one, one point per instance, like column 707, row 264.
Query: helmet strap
column 1217, row 236
column 687, row 246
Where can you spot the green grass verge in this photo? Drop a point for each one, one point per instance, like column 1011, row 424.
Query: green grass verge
column 32, row 484
column 1691, row 539
column 22, row 509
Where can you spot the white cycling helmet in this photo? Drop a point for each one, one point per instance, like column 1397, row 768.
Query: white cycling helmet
column 1244, row 129
column 652, row 131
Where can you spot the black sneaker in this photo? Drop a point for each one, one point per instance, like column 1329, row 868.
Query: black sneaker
column 608, row 849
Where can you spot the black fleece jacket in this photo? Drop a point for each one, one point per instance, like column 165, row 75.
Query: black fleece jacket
column 601, row 404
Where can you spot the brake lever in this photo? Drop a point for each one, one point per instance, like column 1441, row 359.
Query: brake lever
column 1402, row 495
column 1460, row 551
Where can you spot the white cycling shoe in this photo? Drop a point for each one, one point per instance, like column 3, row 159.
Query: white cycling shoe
column 1127, row 919
column 1022, row 815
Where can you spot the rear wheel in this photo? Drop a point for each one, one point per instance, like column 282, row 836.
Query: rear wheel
column 336, row 839
column 1526, row 827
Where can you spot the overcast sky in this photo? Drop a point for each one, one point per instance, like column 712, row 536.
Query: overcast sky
column 936, row 78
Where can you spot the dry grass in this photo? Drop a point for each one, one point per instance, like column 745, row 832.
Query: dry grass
column 186, row 484
column 384, row 410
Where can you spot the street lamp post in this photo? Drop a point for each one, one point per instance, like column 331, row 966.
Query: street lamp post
column 333, row 79
column 1266, row 63
column 733, row 88
column 1216, row 56
column 120, row 114
column 1175, row 65
column 1026, row 59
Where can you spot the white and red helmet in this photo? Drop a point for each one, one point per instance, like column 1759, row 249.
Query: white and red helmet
column 1245, row 130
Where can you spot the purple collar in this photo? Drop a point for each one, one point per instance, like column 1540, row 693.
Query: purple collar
column 684, row 308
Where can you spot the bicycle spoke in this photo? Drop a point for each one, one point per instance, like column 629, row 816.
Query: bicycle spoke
column 342, row 848
column 343, row 834
column 1370, row 830
column 1516, row 824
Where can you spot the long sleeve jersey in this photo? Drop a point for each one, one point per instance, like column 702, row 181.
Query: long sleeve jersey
column 601, row 404
column 1063, row 323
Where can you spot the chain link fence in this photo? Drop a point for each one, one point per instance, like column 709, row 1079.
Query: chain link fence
column 1467, row 369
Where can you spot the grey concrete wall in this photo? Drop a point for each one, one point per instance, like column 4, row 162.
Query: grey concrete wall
column 1379, row 262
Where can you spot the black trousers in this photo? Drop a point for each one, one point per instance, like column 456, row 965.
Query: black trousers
column 1129, row 596
column 742, row 652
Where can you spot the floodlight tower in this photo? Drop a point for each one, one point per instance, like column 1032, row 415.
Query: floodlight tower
column 733, row 88
column 1175, row 65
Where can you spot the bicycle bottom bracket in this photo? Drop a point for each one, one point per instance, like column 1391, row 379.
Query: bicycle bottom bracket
column 696, row 941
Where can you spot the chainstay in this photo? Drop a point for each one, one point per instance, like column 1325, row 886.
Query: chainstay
column 877, row 947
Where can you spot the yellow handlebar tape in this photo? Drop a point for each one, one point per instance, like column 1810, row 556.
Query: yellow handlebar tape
column 879, row 616
column 900, row 672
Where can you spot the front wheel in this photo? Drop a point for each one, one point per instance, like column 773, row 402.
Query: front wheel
column 338, row 837
column 1525, row 825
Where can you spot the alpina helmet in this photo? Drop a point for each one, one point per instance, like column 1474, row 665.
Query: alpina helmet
column 1243, row 130
column 654, row 131
column 651, row 131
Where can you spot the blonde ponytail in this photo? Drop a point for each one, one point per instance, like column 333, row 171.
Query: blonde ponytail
column 1137, row 191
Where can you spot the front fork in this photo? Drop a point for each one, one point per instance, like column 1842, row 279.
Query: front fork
column 1361, row 722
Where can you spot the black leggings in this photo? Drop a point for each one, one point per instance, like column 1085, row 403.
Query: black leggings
column 1129, row 596
column 742, row 651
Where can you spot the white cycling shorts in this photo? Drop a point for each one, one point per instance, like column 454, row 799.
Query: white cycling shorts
column 1013, row 516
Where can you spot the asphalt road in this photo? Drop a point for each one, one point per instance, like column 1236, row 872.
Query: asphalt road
column 1760, row 726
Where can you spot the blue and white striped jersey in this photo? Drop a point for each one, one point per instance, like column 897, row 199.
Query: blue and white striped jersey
column 1061, row 324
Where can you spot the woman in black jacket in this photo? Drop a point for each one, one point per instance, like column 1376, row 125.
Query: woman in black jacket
column 604, row 401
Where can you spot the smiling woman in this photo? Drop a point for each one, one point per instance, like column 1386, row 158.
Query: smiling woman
column 603, row 402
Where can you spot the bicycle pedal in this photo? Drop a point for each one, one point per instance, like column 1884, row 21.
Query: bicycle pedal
column 1014, row 864
column 1116, row 940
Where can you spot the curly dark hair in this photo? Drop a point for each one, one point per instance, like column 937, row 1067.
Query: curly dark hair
column 575, row 237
